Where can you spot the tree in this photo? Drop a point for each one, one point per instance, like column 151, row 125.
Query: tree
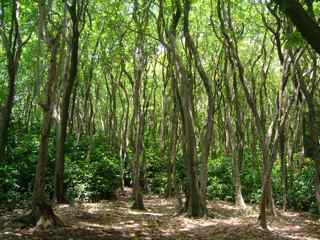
column 13, row 45
column 42, row 212
column 76, row 10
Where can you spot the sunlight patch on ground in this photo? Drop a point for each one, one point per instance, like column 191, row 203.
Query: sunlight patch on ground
column 288, row 228
column 94, row 225
column 133, row 212
column 116, row 219
column 63, row 206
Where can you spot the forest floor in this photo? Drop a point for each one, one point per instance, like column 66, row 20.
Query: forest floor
column 115, row 220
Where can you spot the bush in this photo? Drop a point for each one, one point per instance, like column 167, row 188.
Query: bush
column 220, row 184
column 87, row 176
column 105, row 179
column 302, row 193
column 91, row 173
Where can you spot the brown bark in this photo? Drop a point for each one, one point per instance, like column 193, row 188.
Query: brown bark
column 42, row 213
column 171, row 187
column 138, row 117
column 40, row 207
column 207, row 134
column 234, row 135
column 64, row 114
column 268, row 139
column 195, row 205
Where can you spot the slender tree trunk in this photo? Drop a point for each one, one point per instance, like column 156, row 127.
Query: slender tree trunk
column 64, row 115
column 171, row 188
column 13, row 47
column 6, row 110
column 284, row 170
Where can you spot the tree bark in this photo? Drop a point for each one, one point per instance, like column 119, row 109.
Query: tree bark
column 303, row 21
column 41, row 209
column 64, row 114
column 138, row 117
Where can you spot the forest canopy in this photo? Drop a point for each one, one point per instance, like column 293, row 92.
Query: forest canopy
column 194, row 100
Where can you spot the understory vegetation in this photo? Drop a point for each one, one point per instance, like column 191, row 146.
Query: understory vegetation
column 93, row 172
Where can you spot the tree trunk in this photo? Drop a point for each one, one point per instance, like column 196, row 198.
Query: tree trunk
column 305, row 23
column 6, row 111
column 171, row 187
column 284, row 169
column 64, row 114
column 13, row 47
column 42, row 212
column 315, row 146
column 207, row 131
column 195, row 205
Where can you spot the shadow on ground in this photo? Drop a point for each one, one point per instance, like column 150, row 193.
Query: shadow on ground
column 115, row 220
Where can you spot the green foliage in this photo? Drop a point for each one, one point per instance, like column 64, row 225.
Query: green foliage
column 302, row 192
column 293, row 40
column 105, row 86
column 92, row 171
column 9, row 189
column 105, row 178
column 220, row 180
column 156, row 166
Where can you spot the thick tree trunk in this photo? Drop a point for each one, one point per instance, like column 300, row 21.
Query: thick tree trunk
column 305, row 23
column 195, row 205
column 315, row 146
column 138, row 118
column 237, row 184
column 206, row 138
column 42, row 212
column 233, row 150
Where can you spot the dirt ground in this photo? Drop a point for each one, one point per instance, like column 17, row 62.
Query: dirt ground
column 115, row 220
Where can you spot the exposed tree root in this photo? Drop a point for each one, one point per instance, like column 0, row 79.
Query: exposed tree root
column 42, row 216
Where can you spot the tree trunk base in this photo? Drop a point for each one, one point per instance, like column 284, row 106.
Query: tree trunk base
column 47, row 217
column 138, row 202
column 241, row 204
column 138, row 205
column 262, row 222
column 42, row 217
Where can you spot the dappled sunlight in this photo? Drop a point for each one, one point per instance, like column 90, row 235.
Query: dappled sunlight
column 282, row 228
column 116, row 220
